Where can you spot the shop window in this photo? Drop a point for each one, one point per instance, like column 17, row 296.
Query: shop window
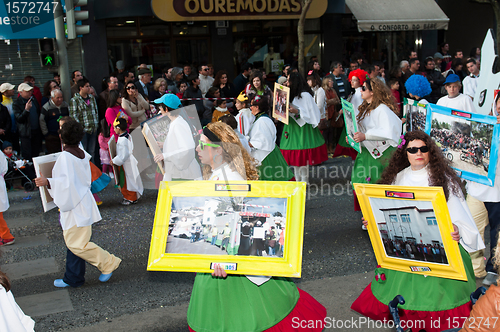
column 246, row 26
column 276, row 26
column 153, row 27
column 196, row 28
column 310, row 25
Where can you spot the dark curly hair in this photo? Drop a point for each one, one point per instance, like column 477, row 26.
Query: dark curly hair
column 71, row 132
column 440, row 172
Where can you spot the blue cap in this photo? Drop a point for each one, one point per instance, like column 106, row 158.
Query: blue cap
column 452, row 78
column 170, row 100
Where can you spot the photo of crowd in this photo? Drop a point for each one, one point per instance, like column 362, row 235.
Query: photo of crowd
column 227, row 226
column 280, row 106
column 468, row 142
column 409, row 230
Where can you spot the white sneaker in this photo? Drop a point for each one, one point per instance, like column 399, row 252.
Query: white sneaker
column 363, row 227
column 111, row 175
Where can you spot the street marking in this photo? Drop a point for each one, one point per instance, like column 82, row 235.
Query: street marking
column 45, row 303
column 29, row 269
column 27, row 242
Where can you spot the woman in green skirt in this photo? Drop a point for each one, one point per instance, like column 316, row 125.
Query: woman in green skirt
column 302, row 143
column 432, row 303
column 379, row 132
column 241, row 303
column 262, row 141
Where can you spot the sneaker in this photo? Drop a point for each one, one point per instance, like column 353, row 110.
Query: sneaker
column 363, row 227
column 99, row 203
column 105, row 277
column 60, row 283
column 126, row 202
column 491, row 279
column 4, row 242
column 111, row 175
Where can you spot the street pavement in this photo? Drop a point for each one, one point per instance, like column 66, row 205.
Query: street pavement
column 338, row 262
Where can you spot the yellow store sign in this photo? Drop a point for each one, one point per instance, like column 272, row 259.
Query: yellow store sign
column 213, row 10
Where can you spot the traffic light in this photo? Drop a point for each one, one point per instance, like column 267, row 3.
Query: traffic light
column 73, row 17
column 48, row 52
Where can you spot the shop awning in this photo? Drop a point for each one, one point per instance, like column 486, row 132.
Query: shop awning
column 398, row 15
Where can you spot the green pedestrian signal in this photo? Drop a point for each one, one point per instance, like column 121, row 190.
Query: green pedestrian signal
column 48, row 60
column 47, row 48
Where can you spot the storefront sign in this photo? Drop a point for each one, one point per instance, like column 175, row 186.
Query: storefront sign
column 400, row 26
column 27, row 20
column 212, row 10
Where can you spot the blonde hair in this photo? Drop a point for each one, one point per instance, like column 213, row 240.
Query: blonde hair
column 381, row 95
column 324, row 83
column 496, row 257
column 158, row 82
column 233, row 153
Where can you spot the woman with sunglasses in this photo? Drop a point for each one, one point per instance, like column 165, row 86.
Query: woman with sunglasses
column 262, row 141
column 301, row 143
column 134, row 105
column 178, row 148
column 236, row 302
column 379, row 132
column 420, row 163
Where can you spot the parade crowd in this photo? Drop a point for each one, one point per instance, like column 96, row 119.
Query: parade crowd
column 241, row 140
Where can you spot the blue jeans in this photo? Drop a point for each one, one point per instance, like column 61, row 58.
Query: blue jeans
column 89, row 142
column 75, row 270
column 214, row 238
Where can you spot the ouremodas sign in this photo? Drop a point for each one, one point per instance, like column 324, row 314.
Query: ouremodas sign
column 203, row 10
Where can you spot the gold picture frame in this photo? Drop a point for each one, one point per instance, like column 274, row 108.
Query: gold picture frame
column 182, row 199
column 415, row 216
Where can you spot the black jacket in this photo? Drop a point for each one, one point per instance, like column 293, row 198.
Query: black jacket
column 143, row 92
column 194, row 93
column 5, row 120
column 23, row 116
column 437, row 82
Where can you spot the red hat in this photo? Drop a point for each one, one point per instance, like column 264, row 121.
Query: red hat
column 360, row 74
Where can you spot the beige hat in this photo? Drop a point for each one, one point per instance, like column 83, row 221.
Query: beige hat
column 24, row 87
column 6, row 87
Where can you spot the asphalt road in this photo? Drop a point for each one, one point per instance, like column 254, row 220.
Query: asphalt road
column 335, row 247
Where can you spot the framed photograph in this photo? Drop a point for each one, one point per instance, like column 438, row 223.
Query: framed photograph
column 351, row 126
column 44, row 165
column 410, row 230
column 468, row 140
column 155, row 130
column 281, row 102
column 415, row 114
column 250, row 227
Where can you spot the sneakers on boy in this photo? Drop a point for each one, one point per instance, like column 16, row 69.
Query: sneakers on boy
column 491, row 279
column 4, row 242
column 128, row 202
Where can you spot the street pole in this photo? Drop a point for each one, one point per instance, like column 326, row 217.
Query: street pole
column 62, row 51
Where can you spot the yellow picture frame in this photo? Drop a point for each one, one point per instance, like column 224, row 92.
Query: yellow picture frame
column 393, row 211
column 290, row 265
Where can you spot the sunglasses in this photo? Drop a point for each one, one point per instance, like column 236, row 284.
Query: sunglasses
column 131, row 87
column 203, row 144
column 364, row 88
column 413, row 150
